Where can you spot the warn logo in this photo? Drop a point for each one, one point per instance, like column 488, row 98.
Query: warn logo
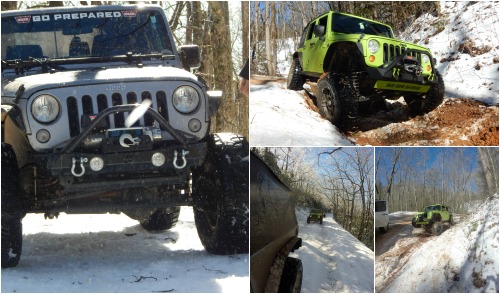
column 23, row 19
column 129, row 13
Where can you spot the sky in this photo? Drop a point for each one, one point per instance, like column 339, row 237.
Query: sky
column 433, row 155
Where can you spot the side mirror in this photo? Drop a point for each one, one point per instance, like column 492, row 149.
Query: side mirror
column 319, row 30
column 190, row 57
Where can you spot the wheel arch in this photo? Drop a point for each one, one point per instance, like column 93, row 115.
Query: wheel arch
column 342, row 57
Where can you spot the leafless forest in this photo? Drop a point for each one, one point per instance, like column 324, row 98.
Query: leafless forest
column 412, row 178
column 339, row 180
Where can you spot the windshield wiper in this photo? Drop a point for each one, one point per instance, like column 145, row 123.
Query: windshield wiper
column 21, row 66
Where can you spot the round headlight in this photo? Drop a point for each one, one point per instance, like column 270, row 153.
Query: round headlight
column 185, row 99
column 425, row 58
column 45, row 108
column 373, row 46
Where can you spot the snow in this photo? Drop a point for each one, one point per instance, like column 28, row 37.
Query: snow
column 468, row 76
column 112, row 253
column 464, row 258
column 280, row 117
column 333, row 259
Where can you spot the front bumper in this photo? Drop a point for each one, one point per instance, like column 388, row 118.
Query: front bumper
column 405, row 72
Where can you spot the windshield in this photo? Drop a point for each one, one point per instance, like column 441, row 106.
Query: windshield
column 352, row 25
column 431, row 208
column 84, row 33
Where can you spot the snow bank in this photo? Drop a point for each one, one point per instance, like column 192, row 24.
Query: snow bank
column 462, row 259
column 464, row 40
column 281, row 117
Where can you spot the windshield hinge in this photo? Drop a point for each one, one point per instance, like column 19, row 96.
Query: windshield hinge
column 19, row 93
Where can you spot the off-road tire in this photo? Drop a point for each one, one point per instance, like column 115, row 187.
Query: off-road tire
column 220, row 194
column 335, row 98
column 452, row 222
column 383, row 229
column 321, row 221
column 295, row 80
column 162, row 219
column 12, row 235
column 414, row 224
column 291, row 279
column 437, row 228
column 308, row 220
column 421, row 104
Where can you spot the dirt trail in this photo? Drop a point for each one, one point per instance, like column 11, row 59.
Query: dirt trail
column 456, row 122
column 394, row 248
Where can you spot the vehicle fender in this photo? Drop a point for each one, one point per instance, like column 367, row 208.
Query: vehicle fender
column 342, row 57
column 273, row 281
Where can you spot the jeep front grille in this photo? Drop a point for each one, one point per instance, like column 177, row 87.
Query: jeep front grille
column 393, row 51
column 92, row 105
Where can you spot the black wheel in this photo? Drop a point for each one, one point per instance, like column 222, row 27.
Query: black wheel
column 295, row 79
column 12, row 235
column 321, row 221
column 220, row 194
column 420, row 104
column 384, row 229
column 414, row 224
column 336, row 103
column 162, row 219
column 291, row 279
column 437, row 228
column 308, row 220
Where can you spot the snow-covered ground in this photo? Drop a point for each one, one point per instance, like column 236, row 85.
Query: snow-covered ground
column 280, row 117
column 333, row 259
column 112, row 253
column 464, row 258
column 465, row 42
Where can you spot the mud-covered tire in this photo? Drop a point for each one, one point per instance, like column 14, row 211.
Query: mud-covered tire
column 291, row 279
column 295, row 79
column 437, row 228
column 414, row 224
column 335, row 101
column 220, row 194
column 12, row 235
column 421, row 104
column 162, row 219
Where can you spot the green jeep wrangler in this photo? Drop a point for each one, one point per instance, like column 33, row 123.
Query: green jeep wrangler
column 316, row 215
column 356, row 61
column 432, row 218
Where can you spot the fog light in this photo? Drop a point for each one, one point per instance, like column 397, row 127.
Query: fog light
column 371, row 58
column 194, row 125
column 158, row 159
column 43, row 136
column 96, row 164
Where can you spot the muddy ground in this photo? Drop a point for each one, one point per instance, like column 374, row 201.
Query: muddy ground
column 456, row 122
